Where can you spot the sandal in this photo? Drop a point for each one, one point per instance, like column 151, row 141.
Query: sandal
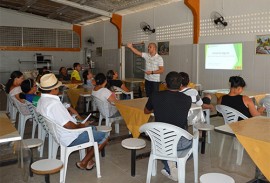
column 78, row 165
column 90, row 166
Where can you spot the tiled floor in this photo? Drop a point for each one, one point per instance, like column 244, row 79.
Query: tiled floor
column 115, row 166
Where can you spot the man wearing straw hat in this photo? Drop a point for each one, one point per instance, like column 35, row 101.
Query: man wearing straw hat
column 50, row 106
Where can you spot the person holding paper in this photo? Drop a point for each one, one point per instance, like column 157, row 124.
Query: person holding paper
column 50, row 106
column 154, row 67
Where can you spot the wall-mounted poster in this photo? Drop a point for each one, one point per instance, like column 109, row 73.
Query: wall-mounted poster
column 99, row 51
column 263, row 44
column 163, row 48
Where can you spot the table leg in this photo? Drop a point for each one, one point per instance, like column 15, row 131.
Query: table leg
column 103, row 152
column 31, row 161
column 203, row 142
column 47, row 178
column 133, row 162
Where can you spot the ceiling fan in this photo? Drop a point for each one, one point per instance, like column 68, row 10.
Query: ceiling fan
column 146, row 28
column 218, row 20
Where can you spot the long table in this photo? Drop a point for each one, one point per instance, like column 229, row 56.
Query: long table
column 74, row 95
column 132, row 112
column 254, row 135
column 8, row 132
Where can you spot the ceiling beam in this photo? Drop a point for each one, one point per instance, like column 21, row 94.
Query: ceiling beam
column 84, row 18
column 84, row 7
column 27, row 5
column 63, row 9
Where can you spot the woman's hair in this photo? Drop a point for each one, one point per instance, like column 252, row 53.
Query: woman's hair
column 185, row 78
column 61, row 69
column 13, row 76
column 100, row 78
column 27, row 85
column 85, row 74
column 237, row 81
column 110, row 74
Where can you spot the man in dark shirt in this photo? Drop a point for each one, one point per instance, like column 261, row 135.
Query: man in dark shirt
column 171, row 106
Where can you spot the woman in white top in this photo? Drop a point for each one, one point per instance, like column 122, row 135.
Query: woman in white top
column 13, row 86
column 102, row 93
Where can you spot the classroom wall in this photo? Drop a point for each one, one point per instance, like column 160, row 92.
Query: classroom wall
column 9, row 59
column 105, row 35
column 174, row 23
column 246, row 19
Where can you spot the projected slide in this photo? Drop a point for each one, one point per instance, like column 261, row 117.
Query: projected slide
column 223, row 56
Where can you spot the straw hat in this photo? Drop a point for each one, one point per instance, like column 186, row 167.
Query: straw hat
column 49, row 82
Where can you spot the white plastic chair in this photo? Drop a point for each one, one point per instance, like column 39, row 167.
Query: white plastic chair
column 231, row 115
column 105, row 109
column 52, row 144
column 42, row 127
column 24, row 115
column 267, row 106
column 11, row 108
column 164, row 139
column 65, row 151
column 120, row 91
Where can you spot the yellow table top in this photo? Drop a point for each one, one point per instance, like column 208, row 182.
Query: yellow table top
column 254, row 135
column 71, row 85
column 7, row 131
column 74, row 95
column 132, row 112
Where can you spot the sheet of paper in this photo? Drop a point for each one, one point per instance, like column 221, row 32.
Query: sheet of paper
column 86, row 118
column 141, row 69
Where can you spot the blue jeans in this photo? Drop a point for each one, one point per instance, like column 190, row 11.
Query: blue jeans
column 182, row 145
column 99, row 137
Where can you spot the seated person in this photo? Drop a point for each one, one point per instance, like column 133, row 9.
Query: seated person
column 172, row 107
column 13, row 86
column 112, row 79
column 205, row 102
column 88, row 79
column 41, row 72
column 29, row 89
column 240, row 102
column 63, row 74
column 75, row 75
column 51, row 107
column 104, row 94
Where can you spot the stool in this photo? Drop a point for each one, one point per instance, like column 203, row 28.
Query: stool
column 105, row 129
column 133, row 144
column 216, row 177
column 31, row 143
column 204, row 128
column 47, row 167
